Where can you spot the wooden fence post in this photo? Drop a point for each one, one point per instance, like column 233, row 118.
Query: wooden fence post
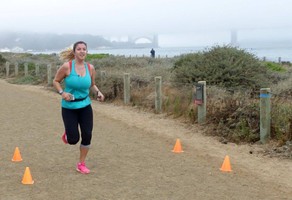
column 126, row 88
column 16, row 69
column 25, row 69
column 37, row 69
column 265, row 114
column 7, row 69
column 158, row 99
column 202, row 108
column 49, row 74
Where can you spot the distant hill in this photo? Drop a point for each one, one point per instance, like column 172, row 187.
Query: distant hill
column 48, row 41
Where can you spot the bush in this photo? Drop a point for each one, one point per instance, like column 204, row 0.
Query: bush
column 275, row 67
column 90, row 57
column 2, row 60
column 226, row 67
column 26, row 80
column 2, row 65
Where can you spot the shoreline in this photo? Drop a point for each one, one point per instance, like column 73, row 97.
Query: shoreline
column 273, row 54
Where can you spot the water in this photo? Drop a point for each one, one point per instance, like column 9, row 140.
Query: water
column 271, row 54
column 159, row 52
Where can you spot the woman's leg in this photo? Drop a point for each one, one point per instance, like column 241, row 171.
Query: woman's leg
column 70, row 119
column 86, row 126
column 83, row 153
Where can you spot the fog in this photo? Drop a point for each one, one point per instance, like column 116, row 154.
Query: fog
column 176, row 22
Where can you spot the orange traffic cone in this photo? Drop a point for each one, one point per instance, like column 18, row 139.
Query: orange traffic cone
column 226, row 167
column 177, row 147
column 27, row 179
column 16, row 155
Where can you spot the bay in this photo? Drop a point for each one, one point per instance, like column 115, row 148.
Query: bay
column 270, row 54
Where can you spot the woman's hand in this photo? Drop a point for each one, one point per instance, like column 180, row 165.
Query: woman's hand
column 67, row 96
column 99, row 96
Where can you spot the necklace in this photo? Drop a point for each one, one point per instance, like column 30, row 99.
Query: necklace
column 79, row 67
column 80, row 70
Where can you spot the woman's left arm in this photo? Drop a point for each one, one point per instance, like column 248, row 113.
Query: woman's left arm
column 99, row 95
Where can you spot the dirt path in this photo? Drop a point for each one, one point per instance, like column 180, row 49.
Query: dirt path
column 130, row 157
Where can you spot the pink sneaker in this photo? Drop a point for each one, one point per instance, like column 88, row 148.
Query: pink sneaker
column 81, row 167
column 64, row 138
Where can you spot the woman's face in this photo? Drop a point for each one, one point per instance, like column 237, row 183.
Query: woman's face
column 80, row 51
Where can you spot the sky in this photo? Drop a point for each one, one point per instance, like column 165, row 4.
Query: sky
column 176, row 22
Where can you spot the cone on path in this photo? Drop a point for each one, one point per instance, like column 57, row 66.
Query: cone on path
column 226, row 167
column 27, row 179
column 177, row 147
column 16, row 155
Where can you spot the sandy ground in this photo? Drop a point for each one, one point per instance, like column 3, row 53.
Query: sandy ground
column 130, row 157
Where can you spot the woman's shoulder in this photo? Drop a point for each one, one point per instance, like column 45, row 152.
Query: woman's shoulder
column 90, row 66
column 66, row 65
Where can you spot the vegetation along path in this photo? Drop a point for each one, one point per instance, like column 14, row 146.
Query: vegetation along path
column 130, row 157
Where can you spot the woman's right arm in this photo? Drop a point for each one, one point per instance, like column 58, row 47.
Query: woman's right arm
column 62, row 72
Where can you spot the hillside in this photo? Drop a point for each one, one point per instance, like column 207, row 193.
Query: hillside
column 46, row 41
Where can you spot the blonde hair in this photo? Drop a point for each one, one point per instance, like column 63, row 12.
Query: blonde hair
column 68, row 53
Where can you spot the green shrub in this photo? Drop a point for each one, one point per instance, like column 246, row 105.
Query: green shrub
column 235, row 117
column 26, row 80
column 2, row 60
column 2, row 66
column 275, row 67
column 90, row 57
column 226, row 66
column 281, row 126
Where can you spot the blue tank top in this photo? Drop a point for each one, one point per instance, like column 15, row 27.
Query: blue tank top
column 78, row 86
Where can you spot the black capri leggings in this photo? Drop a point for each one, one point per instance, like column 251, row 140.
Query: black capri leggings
column 82, row 117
